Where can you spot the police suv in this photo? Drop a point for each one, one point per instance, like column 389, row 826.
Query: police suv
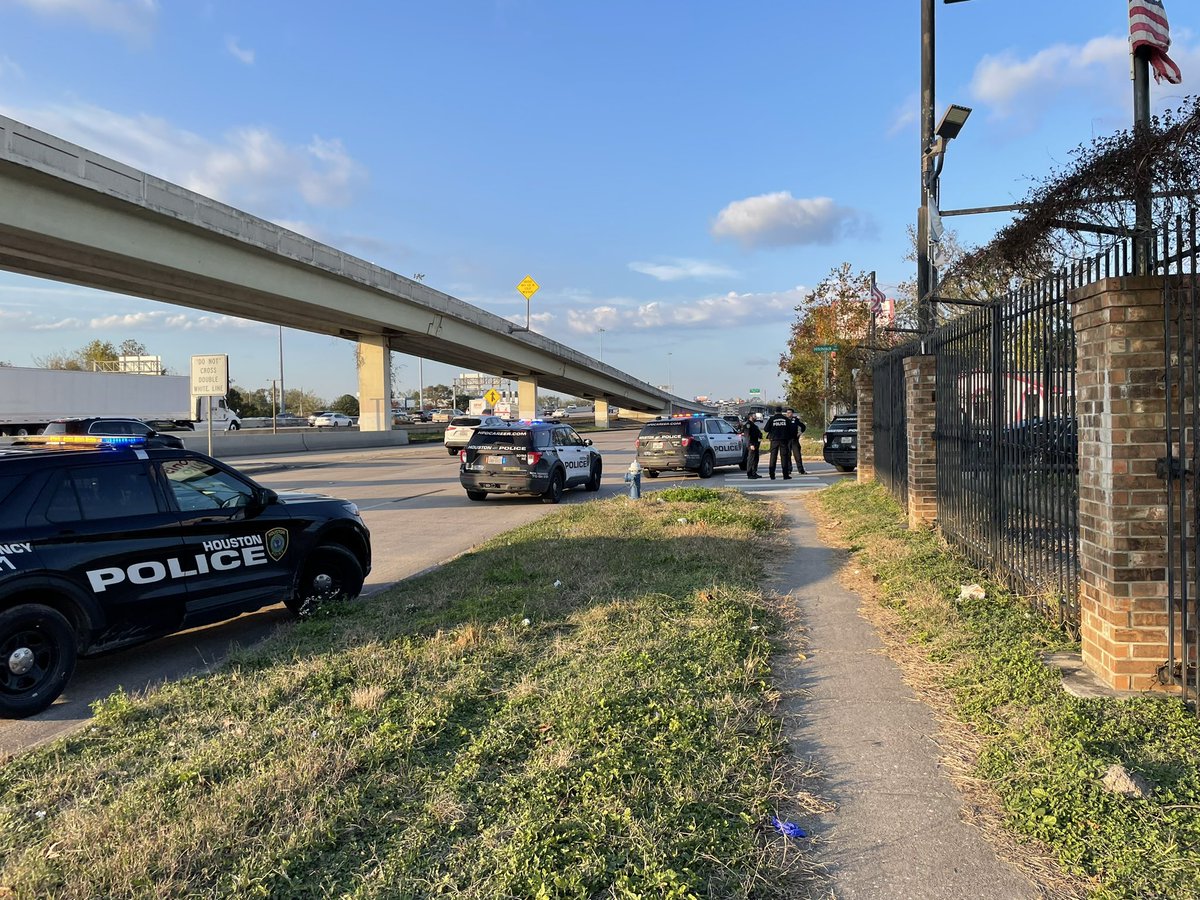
column 531, row 457
column 696, row 443
column 106, row 543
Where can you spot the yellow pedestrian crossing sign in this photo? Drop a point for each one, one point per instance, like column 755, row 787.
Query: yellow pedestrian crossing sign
column 528, row 287
column 492, row 397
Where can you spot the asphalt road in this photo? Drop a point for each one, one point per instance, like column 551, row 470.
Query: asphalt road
column 419, row 517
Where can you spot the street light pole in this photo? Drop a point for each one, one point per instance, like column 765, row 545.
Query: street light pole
column 924, row 273
column 282, row 402
column 601, row 330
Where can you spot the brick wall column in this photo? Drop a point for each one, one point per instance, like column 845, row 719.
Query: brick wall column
column 920, row 375
column 1121, row 406
column 864, row 385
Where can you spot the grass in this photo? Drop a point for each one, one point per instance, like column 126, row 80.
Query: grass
column 1035, row 751
column 578, row 708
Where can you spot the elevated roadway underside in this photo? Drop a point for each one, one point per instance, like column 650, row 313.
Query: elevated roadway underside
column 71, row 215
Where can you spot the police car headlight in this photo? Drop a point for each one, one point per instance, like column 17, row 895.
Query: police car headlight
column 352, row 508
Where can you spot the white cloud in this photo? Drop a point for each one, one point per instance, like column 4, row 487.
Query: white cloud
column 1093, row 74
column 238, row 52
column 8, row 67
column 904, row 117
column 133, row 17
column 248, row 167
column 779, row 220
column 723, row 311
column 161, row 321
column 678, row 269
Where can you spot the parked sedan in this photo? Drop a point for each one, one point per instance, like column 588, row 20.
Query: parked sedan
column 460, row 429
column 333, row 420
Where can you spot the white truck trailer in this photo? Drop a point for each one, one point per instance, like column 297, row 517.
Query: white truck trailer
column 30, row 398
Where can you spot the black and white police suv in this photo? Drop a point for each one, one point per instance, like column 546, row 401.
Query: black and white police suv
column 697, row 443
column 839, row 444
column 103, row 545
column 531, row 457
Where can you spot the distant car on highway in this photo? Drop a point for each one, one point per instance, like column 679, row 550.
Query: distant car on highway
column 401, row 418
column 333, row 420
column 312, row 420
column 459, row 431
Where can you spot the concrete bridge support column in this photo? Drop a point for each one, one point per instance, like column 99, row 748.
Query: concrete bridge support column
column 601, row 408
column 374, row 384
column 527, row 388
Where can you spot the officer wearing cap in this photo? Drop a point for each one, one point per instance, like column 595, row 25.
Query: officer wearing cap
column 795, row 429
column 777, row 429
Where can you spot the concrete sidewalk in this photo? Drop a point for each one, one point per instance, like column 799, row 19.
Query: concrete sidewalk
column 896, row 831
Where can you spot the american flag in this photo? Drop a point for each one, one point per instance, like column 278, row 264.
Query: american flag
column 1148, row 28
column 877, row 298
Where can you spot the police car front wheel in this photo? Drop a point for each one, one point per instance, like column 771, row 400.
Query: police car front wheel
column 37, row 658
column 331, row 574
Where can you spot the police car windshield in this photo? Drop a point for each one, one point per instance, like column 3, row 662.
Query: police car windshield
column 508, row 438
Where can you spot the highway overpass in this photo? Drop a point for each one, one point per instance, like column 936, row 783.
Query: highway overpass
column 72, row 215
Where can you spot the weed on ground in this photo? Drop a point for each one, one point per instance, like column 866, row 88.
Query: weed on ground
column 578, row 708
column 1038, row 753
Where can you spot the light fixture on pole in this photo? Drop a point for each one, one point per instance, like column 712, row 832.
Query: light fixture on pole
column 925, row 314
column 947, row 129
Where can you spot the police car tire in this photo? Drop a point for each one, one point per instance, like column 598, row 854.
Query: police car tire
column 55, row 652
column 452, row 451
column 476, row 495
column 706, row 466
column 341, row 563
column 555, row 491
column 593, row 482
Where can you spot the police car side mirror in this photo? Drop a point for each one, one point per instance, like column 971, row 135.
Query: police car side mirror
column 587, row 441
column 263, row 497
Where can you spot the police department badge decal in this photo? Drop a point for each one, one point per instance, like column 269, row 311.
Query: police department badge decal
column 277, row 543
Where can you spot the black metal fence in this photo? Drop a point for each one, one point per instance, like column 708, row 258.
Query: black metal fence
column 890, row 421
column 1179, row 260
column 1006, row 433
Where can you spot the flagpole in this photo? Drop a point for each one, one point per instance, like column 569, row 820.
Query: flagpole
column 1141, row 184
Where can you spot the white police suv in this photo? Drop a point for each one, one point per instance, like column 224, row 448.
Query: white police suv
column 107, row 544
column 530, row 457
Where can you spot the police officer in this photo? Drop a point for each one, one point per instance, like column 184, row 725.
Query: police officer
column 795, row 429
column 777, row 430
column 753, row 435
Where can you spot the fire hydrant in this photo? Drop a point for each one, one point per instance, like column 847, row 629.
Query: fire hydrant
column 634, row 479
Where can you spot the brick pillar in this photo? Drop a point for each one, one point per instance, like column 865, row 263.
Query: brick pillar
column 864, row 385
column 1121, row 406
column 920, row 375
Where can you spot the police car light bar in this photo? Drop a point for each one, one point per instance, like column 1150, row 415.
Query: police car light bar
column 97, row 440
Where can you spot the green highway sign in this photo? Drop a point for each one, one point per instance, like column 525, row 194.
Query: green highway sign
column 826, row 348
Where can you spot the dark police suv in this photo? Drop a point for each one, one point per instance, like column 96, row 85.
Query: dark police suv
column 534, row 457
column 695, row 443
column 103, row 546
column 839, row 444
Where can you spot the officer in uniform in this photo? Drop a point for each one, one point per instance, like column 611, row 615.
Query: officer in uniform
column 778, row 430
column 795, row 429
column 753, row 435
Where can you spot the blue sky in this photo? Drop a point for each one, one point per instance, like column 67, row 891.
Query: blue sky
column 678, row 173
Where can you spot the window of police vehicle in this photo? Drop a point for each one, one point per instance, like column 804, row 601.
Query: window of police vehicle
column 538, row 458
column 696, row 443
column 104, row 546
